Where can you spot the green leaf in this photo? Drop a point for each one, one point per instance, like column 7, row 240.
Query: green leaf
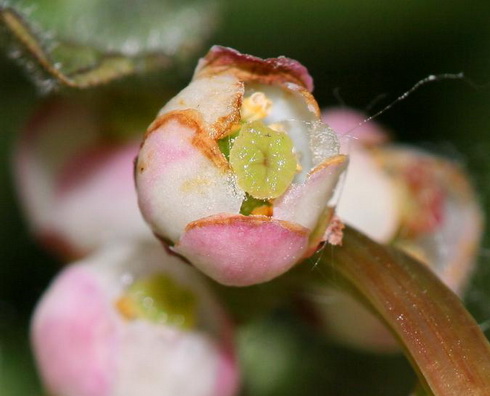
column 84, row 43
column 441, row 339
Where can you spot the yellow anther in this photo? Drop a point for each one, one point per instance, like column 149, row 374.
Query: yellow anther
column 255, row 107
column 126, row 308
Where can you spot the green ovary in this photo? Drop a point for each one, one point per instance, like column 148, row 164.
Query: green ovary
column 160, row 300
column 263, row 160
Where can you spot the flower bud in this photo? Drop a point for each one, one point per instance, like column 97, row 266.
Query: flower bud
column 398, row 195
column 76, row 187
column 237, row 171
column 133, row 320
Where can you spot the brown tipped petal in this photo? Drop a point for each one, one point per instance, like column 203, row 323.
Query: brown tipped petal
column 269, row 70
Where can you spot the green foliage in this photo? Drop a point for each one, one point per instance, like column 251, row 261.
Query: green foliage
column 80, row 44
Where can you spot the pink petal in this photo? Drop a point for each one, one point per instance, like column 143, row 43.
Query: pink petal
column 75, row 320
column 240, row 250
column 351, row 129
column 227, row 379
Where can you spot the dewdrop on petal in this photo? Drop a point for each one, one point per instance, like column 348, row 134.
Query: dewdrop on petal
column 233, row 173
column 421, row 203
column 133, row 320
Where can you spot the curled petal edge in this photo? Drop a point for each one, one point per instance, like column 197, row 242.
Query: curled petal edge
column 245, row 66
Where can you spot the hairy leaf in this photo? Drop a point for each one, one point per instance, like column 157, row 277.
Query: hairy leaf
column 83, row 43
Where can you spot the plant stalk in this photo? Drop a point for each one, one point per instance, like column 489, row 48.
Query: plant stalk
column 441, row 339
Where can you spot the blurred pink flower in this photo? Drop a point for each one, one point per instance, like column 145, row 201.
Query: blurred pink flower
column 76, row 187
column 398, row 195
column 237, row 171
column 132, row 320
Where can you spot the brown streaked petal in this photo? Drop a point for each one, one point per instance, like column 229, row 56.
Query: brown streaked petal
column 216, row 98
column 177, row 176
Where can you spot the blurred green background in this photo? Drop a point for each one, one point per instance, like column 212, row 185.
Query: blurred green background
column 362, row 54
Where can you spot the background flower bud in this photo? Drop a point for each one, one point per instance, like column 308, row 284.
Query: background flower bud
column 398, row 195
column 133, row 320
column 75, row 185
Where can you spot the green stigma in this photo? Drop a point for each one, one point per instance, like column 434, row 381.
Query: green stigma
column 263, row 160
column 160, row 300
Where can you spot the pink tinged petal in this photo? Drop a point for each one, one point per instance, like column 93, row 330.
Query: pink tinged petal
column 350, row 127
column 227, row 380
column 177, row 180
column 240, row 250
column 304, row 203
column 74, row 337
column 369, row 200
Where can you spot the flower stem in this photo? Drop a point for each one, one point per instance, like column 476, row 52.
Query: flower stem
column 441, row 339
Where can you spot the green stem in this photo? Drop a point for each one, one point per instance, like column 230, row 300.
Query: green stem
column 442, row 340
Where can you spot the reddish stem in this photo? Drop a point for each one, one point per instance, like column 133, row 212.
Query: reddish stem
column 442, row 340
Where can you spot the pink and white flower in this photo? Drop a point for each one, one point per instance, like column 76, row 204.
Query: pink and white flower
column 236, row 216
column 133, row 320
column 398, row 195
column 76, row 187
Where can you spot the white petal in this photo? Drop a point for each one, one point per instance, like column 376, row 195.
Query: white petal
column 368, row 200
column 304, row 203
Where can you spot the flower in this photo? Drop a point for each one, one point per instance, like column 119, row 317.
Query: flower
column 414, row 200
column 76, row 187
column 421, row 202
column 133, row 320
column 237, row 171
